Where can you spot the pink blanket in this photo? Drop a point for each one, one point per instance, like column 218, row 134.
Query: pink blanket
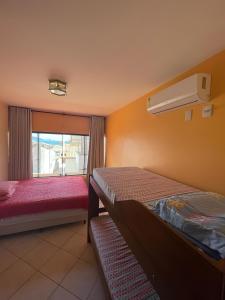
column 47, row 194
column 7, row 188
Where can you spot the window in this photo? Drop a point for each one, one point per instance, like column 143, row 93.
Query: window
column 59, row 154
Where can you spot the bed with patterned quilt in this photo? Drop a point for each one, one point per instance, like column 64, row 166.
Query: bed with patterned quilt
column 176, row 231
column 42, row 202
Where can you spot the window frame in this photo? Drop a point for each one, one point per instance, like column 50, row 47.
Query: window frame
column 59, row 133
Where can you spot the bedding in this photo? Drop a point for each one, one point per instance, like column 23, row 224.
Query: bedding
column 200, row 216
column 132, row 183
column 124, row 276
column 48, row 194
column 7, row 188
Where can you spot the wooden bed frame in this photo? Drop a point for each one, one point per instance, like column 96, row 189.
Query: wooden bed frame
column 177, row 269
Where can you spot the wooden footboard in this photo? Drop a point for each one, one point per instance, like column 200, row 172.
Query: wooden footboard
column 177, row 269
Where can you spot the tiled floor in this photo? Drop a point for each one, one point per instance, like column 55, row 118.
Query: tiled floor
column 55, row 264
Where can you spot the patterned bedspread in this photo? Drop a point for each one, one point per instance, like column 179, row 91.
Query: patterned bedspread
column 133, row 183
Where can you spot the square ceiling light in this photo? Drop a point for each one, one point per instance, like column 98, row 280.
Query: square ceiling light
column 57, row 87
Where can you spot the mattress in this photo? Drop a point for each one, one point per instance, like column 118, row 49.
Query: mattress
column 200, row 216
column 124, row 275
column 46, row 194
column 132, row 183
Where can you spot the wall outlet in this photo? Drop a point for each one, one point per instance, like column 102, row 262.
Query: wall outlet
column 207, row 111
column 188, row 115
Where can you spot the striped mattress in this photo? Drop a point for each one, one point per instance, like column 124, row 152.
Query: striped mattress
column 132, row 183
column 124, row 276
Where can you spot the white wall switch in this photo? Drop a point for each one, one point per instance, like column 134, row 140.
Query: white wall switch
column 188, row 115
column 207, row 111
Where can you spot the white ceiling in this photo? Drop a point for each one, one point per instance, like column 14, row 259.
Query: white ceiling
column 109, row 51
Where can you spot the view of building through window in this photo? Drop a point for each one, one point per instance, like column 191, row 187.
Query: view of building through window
column 59, row 154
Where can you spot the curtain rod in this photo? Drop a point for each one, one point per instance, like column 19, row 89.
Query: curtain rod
column 58, row 113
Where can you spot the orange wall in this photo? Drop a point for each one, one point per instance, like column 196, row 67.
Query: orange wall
column 3, row 141
column 191, row 152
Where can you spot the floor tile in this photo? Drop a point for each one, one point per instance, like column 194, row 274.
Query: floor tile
column 6, row 259
column 76, row 245
column 13, row 278
column 76, row 226
column 61, row 294
column 81, row 229
column 38, row 287
column 57, row 235
column 97, row 292
column 38, row 256
column 81, row 279
column 89, row 255
column 59, row 265
column 2, row 240
column 20, row 244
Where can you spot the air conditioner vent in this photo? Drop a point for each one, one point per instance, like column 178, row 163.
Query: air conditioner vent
column 193, row 89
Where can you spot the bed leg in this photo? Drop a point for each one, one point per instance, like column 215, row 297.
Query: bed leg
column 93, row 207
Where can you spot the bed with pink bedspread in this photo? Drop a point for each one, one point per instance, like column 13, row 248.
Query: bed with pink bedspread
column 48, row 200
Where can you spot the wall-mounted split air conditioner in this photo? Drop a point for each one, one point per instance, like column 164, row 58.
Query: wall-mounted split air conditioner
column 193, row 89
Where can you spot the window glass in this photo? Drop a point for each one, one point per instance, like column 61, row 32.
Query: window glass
column 59, row 154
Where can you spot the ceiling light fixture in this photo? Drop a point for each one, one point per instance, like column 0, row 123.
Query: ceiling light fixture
column 57, row 87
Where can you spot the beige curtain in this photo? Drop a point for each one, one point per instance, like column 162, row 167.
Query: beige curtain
column 96, row 147
column 20, row 143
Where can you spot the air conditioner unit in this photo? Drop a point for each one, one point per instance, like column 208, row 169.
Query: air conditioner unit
column 193, row 89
